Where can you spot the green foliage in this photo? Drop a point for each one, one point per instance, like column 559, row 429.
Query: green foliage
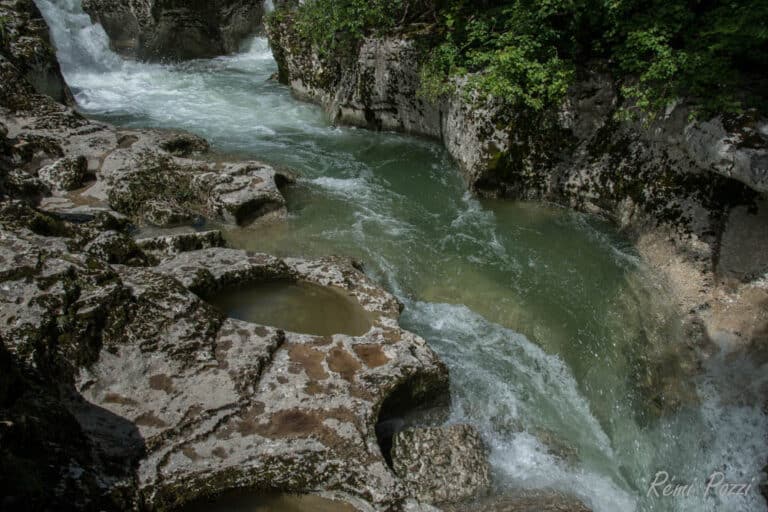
column 337, row 25
column 521, row 52
column 712, row 52
column 527, row 52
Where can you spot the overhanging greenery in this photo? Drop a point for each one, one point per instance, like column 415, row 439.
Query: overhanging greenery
column 528, row 52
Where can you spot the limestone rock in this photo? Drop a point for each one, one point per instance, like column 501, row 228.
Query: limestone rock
column 283, row 403
column 114, row 247
column 164, row 214
column 65, row 173
column 184, row 402
column 66, row 209
column 441, row 464
column 499, row 150
column 239, row 193
column 159, row 30
column 171, row 245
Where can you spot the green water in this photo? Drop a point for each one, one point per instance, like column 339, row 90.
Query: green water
column 550, row 324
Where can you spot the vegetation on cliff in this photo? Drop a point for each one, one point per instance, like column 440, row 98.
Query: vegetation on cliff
column 527, row 52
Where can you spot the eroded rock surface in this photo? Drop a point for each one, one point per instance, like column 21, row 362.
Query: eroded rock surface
column 197, row 403
column 154, row 177
column 26, row 46
column 441, row 464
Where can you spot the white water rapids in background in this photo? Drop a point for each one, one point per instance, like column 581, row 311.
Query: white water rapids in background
column 474, row 275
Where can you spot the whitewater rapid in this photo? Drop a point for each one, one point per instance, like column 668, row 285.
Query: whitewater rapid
column 540, row 313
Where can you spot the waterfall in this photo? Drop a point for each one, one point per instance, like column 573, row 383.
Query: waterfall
column 80, row 45
column 269, row 6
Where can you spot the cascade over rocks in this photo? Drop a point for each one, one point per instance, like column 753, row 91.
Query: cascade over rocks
column 159, row 30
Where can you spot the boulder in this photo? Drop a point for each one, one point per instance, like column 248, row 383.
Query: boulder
column 441, row 464
column 164, row 214
column 240, row 193
column 233, row 405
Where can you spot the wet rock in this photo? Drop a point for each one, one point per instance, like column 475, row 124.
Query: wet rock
column 185, row 145
column 65, row 209
column 114, row 247
column 159, row 30
column 171, row 245
column 183, row 402
column 251, row 431
column 240, row 193
column 166, row 190
column 137, row 172
column 120, row 387
column 441, row 464
column 65, row 174
column 20, row 184
column 165, row 214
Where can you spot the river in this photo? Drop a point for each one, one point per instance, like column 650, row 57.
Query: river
column 549, row 322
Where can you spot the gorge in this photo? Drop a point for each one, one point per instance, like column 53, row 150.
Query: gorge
column 581, row 354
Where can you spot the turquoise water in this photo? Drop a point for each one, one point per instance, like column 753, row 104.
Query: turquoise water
column 554, row 332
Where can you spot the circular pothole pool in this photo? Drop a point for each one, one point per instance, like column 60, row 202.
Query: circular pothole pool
column 299, row 307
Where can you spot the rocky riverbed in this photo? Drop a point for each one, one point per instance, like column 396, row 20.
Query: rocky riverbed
column 121, row 387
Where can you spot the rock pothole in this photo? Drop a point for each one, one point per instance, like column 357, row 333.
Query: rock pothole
column 295, row 306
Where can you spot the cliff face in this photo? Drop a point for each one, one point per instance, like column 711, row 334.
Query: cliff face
column 692, row 195
column 26, row 47
column 158, row 30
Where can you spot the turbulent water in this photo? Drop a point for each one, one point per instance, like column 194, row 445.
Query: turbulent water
column 550, row 325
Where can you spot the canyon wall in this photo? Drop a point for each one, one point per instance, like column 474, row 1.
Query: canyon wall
column 168, row 30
